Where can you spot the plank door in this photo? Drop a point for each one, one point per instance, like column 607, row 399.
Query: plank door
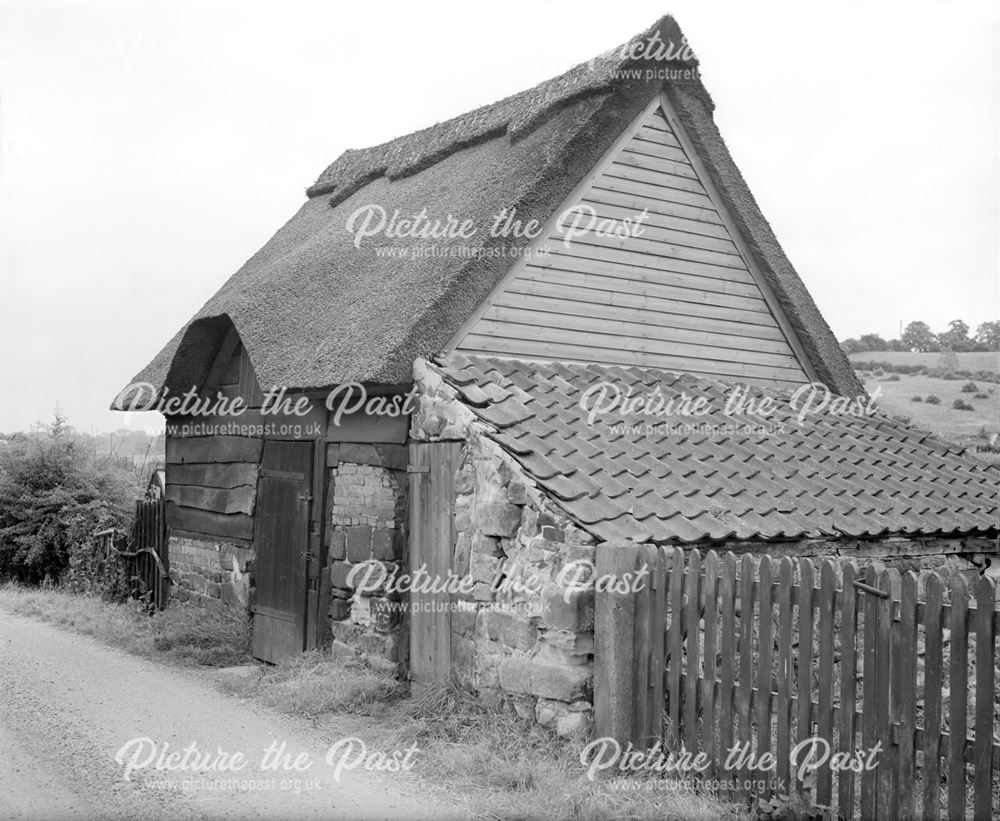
column 281, row 541
column 432, row 544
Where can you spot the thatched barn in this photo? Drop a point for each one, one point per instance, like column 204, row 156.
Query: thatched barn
column 466, row 314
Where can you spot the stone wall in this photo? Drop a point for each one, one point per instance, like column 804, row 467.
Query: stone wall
column 522, row 635
column 210, row 573
column 366, row 520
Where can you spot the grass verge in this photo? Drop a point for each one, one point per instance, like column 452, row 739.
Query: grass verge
column 498, row 765
column 506, row 767
column 185, row 635
column 315, row 683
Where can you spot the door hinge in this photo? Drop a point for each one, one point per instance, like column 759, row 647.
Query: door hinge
column 418, row 468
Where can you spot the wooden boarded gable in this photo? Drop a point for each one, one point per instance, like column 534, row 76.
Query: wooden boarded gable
column 232, row 373
column 681, row 294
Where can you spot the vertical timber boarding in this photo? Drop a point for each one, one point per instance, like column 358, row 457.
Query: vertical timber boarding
column 148, row 559
column 778, row 648
column 432, row 540
column 282, row 542
column 316, row 555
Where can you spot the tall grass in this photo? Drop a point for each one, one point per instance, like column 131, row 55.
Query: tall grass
column 182, row 634
column 319, row 682
column 510, row 768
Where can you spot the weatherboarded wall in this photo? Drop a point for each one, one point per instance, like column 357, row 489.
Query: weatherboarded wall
column 644, row 268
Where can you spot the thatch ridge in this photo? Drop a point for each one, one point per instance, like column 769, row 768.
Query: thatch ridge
column 313, row 310
column 514, row 116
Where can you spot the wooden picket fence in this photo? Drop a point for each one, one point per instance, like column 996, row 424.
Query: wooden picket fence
column 747, row 656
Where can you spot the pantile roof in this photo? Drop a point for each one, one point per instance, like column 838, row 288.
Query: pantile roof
column 713, row 475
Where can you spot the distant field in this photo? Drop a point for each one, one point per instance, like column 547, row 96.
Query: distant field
column 942, row 419
column 978, row 361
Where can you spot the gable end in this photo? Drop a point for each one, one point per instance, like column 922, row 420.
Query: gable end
column 680, row 291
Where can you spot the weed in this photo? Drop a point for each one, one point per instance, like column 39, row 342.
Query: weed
column 518, row 769
column 321, row 682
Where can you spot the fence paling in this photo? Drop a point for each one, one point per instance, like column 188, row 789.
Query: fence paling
column 848, row 683
column 803, row 726
column 985, row 650
column 691, row 656
column 746, row 660
column 906, row 693
column 146, row 562
column 727, row 592
column 958, row 686
column 933, row 663
column 691, row 660
column 784, row 675
column 710, row 590
column 674, row 648
column 764, row 646
column 824, row 723
column 885, row 802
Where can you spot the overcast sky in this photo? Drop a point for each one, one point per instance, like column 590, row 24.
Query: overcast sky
column 147, row 149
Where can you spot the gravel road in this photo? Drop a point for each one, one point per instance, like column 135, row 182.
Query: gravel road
column 69, row 706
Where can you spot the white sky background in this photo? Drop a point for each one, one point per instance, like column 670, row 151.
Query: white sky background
column 147, row 149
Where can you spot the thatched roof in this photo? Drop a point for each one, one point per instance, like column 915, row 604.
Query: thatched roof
column 313, row 310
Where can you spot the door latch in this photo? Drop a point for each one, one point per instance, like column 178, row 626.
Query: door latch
column 308, row 556
column 305, row 497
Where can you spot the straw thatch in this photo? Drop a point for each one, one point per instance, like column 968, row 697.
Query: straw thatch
column 313, row 310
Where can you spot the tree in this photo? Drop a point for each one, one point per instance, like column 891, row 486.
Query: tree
column 918, row 336
column 55, row 492
column 896, row 345
column 956, row 337
column 948, row 361
column 873, row 342
column 849, row 346
column 988, row 334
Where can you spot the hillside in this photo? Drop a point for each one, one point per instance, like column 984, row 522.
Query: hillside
column 907, row 394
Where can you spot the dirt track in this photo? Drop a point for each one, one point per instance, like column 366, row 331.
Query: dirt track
column 69, row 705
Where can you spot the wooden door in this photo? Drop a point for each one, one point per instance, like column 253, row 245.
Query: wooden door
column 432, row 545
column 281, row 541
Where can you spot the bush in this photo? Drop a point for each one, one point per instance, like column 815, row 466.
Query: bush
column 888, row 367
column 893, row 377
column 94, row 570
column 933, row 400
column 55, row 493
column 969, row 387
column 916, row 399
column 962, row 405
column 982, row 395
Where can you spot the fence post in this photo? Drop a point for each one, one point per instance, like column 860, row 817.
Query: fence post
column 614, row 645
